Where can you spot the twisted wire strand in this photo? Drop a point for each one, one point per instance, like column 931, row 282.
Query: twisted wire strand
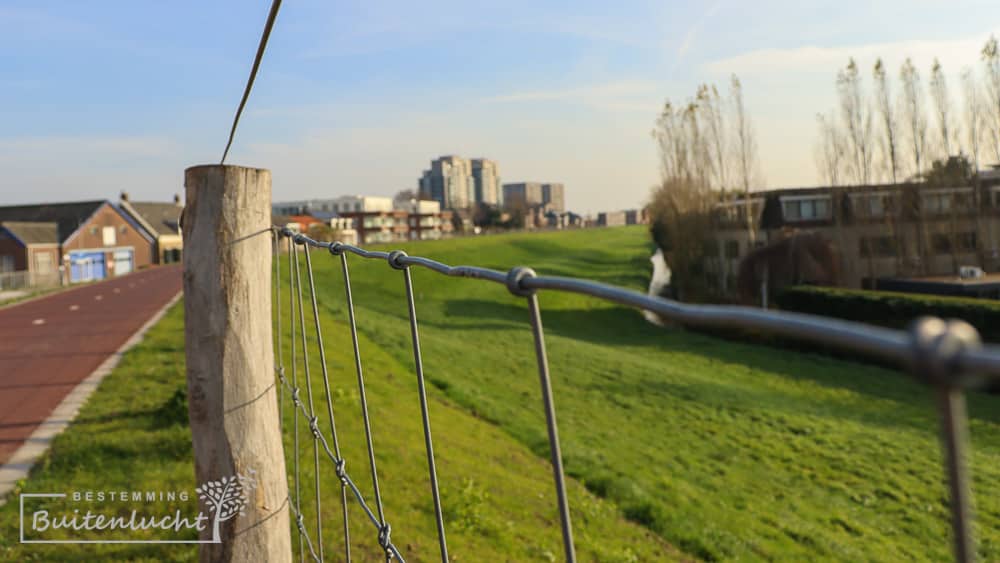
column 311, row 419
column 329, row 404
column 308, row 546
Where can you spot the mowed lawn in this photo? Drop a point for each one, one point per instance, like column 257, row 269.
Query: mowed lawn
column 681, row 446
column 726, row 450
column 133, row 435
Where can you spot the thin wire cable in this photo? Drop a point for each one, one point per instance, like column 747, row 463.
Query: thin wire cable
column 329, row 406
column 428, row 442
column 275, row 6
column 973, row 366
column 954, row 437
column 306, row 544
column 550, row 423
column 361, row 391
column 295, row 398
column 312, row 404
column 952, row 360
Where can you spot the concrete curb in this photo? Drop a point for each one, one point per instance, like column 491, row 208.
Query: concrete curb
column 26, row 456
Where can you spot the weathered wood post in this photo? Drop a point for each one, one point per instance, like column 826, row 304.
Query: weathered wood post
column 230, row 360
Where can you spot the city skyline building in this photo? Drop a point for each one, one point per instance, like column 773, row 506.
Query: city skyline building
column 449, row 182
column 486, row 182
column 551, row 195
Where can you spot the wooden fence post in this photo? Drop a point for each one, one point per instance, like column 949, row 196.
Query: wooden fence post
column 230, row 361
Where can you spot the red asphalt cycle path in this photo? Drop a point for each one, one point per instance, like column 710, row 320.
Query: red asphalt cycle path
column 50, row 344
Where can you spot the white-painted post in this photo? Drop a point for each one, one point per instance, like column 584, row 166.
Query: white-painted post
column 230, row 361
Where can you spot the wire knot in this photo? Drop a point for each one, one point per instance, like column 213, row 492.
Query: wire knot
column 295, row 397
column 300, row 522
column 336, row 248
column 384, row 539
column 286, row 232
column 281, row 373
column 314, row 427
column 394, row 257
column 299, row 238
column 514, row 278
column 937, row 347
column 341, row 470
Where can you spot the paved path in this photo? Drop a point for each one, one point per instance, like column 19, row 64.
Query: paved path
column 49, row 345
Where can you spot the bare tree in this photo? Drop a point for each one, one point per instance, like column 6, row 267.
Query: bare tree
column 857, row 120
column 991, row 65
column 681, row 206
column 914, row 118
column 830, row 152
column 700, row 159
column 942, row 108
column 887, row 117
column 713, row 118
column 669, row 134
column 973, row 115
column 746, row 150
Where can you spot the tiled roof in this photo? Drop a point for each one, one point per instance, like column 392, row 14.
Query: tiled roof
column 33, row 232
column 67, row 216
column 164, row 218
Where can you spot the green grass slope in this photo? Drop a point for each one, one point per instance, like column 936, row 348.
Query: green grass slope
column 728, row 451
column 497, row 496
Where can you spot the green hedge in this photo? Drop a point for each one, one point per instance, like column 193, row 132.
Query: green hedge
column 892, row 309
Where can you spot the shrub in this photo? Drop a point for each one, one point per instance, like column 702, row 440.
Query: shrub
column 892, row 309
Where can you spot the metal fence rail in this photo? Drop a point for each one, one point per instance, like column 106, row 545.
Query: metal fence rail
column 27, row 280
column 947, row 356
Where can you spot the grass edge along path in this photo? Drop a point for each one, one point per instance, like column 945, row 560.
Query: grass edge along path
column 132, row 435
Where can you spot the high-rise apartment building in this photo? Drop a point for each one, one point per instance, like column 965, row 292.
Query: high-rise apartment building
column 554, row 197
column 486, row 182
column 551, row 196
column 449, row 182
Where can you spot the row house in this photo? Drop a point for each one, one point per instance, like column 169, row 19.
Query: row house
column 375, row 219
column 73, row 242
column 881, row 231
column 162, row 222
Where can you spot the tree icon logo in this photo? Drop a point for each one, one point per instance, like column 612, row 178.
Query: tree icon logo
column 227, row 497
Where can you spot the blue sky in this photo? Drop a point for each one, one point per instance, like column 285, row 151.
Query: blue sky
column 357, row 97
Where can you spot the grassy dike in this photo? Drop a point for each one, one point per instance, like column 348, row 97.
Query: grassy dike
column 133, row 435
column 724, row 450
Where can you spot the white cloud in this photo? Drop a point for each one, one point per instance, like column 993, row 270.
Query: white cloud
column 695, row 29
column 954, row 54
column 619, row 95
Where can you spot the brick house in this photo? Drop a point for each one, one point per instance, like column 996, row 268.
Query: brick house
column 32, row 248
column 161, row 222
column 89, row 239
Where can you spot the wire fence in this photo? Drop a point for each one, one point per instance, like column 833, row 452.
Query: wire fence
column 947, row 356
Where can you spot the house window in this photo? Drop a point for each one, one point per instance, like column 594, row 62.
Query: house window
column 732, row 249
column 6, row 263
column 806, row 208
column 870, row 247
column 43, row 263
column 108, row 235
column 943, row 243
